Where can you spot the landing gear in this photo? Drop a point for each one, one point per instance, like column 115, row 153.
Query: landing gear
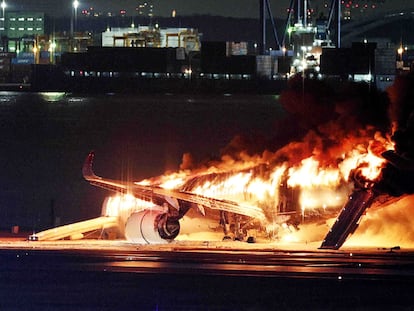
column 232, row 231
column 239, row 235
column 224, row 222
column 251, row 239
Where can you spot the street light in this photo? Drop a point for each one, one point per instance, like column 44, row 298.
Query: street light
column 3, row 8
column 75, row 7
column 400, row 50
column 73, row 21
column 400, row 62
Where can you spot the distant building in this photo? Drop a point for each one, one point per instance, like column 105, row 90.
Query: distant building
column 19, row 30
column 23, row 24
column 148, row 36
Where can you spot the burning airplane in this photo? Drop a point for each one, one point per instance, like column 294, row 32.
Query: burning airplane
column 339, row 163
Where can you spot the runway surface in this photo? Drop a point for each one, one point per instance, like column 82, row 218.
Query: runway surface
column 114, row 275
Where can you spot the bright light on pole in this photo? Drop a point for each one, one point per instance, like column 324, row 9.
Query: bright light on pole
column 75, row 7
column 3, row 8
column 400, row 52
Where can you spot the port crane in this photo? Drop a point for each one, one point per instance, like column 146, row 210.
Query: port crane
column 298, row 13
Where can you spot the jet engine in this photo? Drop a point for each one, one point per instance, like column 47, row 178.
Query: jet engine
column 151, row 227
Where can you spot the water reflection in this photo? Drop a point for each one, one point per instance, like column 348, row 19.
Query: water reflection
column 52, row 96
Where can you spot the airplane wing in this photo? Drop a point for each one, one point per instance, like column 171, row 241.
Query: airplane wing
column 150, row 191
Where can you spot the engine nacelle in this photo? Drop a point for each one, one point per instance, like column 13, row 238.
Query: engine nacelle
column 151, row 227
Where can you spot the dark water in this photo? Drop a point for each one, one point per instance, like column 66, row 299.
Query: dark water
column 45, row 137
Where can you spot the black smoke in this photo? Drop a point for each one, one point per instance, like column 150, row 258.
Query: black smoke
column 398, row 174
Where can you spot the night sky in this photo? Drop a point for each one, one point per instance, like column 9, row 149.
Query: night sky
column 233, row 8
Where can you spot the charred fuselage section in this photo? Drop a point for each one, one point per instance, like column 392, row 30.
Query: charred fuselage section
column 396, row 179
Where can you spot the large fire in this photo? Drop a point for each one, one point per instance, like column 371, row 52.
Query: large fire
column 321, row 186
column 306, row 180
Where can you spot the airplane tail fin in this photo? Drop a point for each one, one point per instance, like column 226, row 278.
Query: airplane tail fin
column 87, row 170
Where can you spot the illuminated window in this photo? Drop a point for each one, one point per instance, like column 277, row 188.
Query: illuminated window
column 21, row 19
column 30, row 19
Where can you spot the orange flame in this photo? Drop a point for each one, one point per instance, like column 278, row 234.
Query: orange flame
column 309, row 174
column 123, row 205
column 321, row 180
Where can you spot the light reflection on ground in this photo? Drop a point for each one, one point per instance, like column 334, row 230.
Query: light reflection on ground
column 122, row 245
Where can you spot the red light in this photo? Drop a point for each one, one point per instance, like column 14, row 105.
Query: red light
column 122, row 12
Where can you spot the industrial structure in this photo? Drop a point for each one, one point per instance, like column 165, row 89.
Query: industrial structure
column 308, row 44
